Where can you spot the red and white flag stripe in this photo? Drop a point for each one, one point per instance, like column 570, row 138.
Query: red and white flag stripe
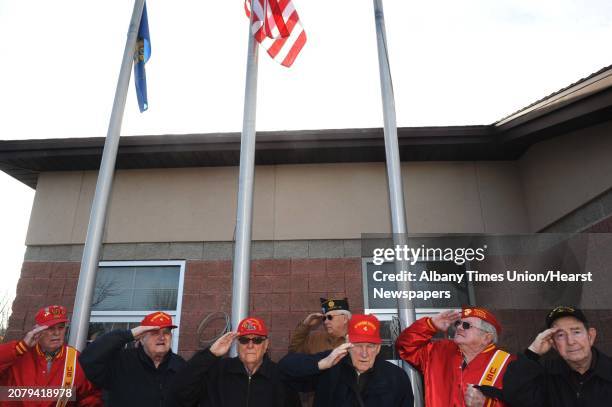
column 276, row 26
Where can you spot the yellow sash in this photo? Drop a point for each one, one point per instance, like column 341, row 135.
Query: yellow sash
column 69, row 373
column 493, row 370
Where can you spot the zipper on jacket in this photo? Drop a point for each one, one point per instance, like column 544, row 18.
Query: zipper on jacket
column 248, row 391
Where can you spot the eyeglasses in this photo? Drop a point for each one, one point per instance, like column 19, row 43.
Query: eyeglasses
column 330, row 316
column 466, row 325
column 258, row 340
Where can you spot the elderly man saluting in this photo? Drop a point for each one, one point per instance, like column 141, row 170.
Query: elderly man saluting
column 580, row 376
column 364, row 379
column 334, row 317
column 42, row 359
column 466, row 371
column 251, row 379
column 139, row 376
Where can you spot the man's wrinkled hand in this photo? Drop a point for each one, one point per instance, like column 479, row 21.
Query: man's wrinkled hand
column 139, row 331
column 223, row 344
column 313, row 320
column 445, row 319
column 543, row 342
column 335, row 356
column 474, row 397
column 32, row 337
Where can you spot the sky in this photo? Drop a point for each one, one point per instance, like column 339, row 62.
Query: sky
column 452, row 63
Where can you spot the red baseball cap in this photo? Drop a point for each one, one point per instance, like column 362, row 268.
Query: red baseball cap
column 252, row 326
column 481, row 313
column 160, row 319
column 51, row 315
column 364, row 328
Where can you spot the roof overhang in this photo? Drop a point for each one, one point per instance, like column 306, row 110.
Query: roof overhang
column 583, row 104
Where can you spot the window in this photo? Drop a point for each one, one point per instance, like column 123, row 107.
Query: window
column 126, row 291
column 385, row 309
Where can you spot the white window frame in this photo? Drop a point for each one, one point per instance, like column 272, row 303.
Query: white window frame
column 137, row 316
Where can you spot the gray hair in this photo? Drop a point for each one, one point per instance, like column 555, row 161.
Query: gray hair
column 488, row 328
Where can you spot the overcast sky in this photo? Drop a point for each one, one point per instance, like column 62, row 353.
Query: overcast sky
column 453, row 63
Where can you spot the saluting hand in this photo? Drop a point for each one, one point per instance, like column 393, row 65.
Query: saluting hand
column 335, row 356
column 445, row 319
column 223, row 344
column 473, row 397
column 139, row 331
column 32, row 337
column 313, row 320
column 543, row 342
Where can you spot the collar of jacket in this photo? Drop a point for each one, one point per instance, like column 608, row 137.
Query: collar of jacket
column 377, row 383
column 490, row 348
column 169, row 362
column 603, row 366
column 234, row 365
column 43, row 355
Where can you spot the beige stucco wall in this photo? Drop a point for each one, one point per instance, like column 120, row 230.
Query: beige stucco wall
column 330, row 201
column 562, row 174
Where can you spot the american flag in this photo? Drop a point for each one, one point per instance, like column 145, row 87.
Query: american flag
column 276, row 26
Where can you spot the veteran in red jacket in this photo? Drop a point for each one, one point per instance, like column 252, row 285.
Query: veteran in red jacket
column 42, row 360
column 466, row 371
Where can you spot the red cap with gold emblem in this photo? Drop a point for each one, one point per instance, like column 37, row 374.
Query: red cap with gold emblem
column 51, row 315
column 364, row 328
column 159, row 318
column 481, row 313
column 252, row 326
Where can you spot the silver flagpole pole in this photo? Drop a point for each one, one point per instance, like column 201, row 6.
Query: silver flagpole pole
column 97, row 217
column 396, row 191
column 244, row 210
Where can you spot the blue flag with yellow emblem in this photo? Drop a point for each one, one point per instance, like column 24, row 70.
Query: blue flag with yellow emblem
column 141, row 56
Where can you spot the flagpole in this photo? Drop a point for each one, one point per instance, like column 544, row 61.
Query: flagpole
column 97, row 217
column 244, row 210
column 396, row 192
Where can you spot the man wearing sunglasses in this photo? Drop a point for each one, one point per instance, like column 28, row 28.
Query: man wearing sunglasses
column 334, row 317
column 465, row 371
column 42, row 360
column 580, row 376
column 363, row 379
column 251, row 379
column 140, row 375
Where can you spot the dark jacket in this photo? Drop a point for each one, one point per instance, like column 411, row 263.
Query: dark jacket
column 224, row 382
column 530, row 382
column 385, row 385
column 129, row 376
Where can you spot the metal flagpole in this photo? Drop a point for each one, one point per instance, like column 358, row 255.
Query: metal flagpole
column 97, row 217
column 396, row 191
column 244, row 210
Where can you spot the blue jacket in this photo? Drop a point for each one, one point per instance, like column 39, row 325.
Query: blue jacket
column 385, row 385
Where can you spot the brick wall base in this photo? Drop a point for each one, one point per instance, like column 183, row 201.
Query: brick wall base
column 282, row 292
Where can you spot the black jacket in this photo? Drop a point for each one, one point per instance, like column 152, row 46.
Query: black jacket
column 129, row 376
column 529, row 382
column 223, row 382
column 385, row 385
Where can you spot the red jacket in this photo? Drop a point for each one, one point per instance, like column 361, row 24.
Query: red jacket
column 20, row 366
column 441, row 362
